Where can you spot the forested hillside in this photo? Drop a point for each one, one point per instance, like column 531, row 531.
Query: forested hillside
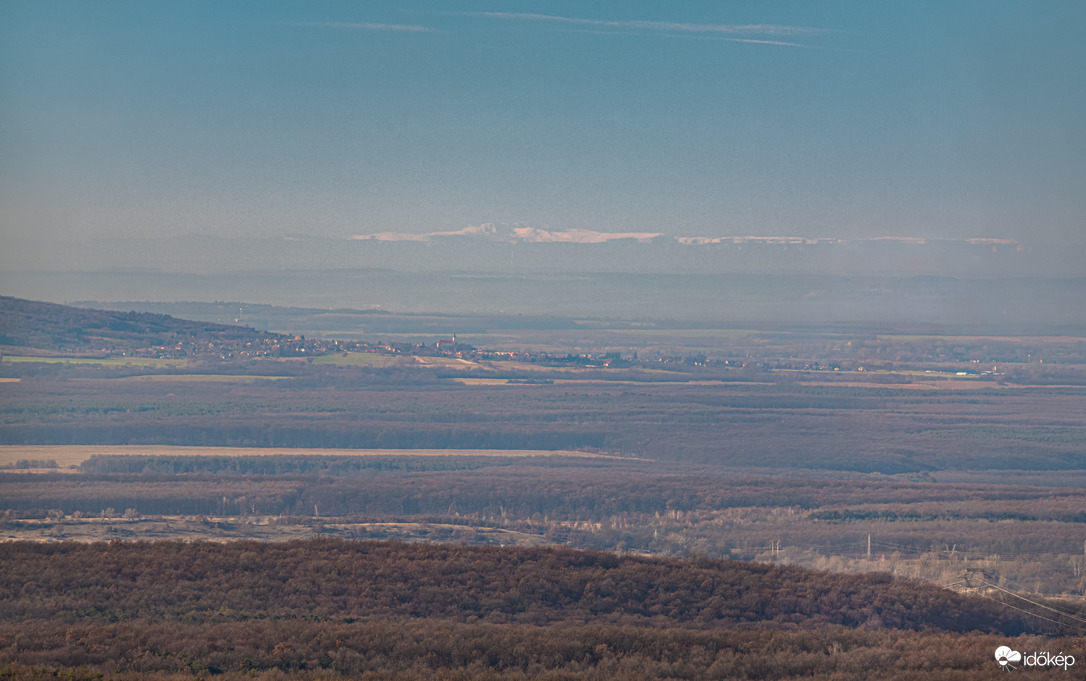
column 334, row 578
column 403, row 611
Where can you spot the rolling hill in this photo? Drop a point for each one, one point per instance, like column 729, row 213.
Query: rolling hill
column 48, row 326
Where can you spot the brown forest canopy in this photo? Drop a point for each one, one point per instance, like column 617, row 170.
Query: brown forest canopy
column 332, row 578
column 333, row 609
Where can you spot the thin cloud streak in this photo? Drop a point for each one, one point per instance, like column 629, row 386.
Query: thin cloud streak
column 696, row 37
column 667, row 26
column 369, row 26
column 764, row 42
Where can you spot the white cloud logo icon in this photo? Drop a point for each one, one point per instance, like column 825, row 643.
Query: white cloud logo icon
column 1004, row 656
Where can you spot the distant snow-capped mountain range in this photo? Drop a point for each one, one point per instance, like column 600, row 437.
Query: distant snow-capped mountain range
column 515, row 234
column 588, row 236
column 517, row 250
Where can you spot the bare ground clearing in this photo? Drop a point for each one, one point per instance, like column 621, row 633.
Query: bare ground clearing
column 260, row 528
column 73, row 455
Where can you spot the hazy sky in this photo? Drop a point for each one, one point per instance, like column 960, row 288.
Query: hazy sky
column 839, row 119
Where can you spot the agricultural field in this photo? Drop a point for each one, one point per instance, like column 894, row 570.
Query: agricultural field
column 73, row 455
column 154, row 363
column 366, row 359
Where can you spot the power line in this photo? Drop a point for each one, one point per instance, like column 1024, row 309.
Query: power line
column 1031, row 614
column 1031, row 602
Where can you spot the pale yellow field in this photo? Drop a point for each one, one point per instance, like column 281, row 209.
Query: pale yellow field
column 600, row 381
column 72, row 455
column 453, row 362
column 211, row 378
column 510, row 365
column 918, row 385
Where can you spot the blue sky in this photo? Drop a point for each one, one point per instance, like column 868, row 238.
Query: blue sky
column 819, row 119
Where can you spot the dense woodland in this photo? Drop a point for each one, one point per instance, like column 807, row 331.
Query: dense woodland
column 326, row 607
column 198, row 582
